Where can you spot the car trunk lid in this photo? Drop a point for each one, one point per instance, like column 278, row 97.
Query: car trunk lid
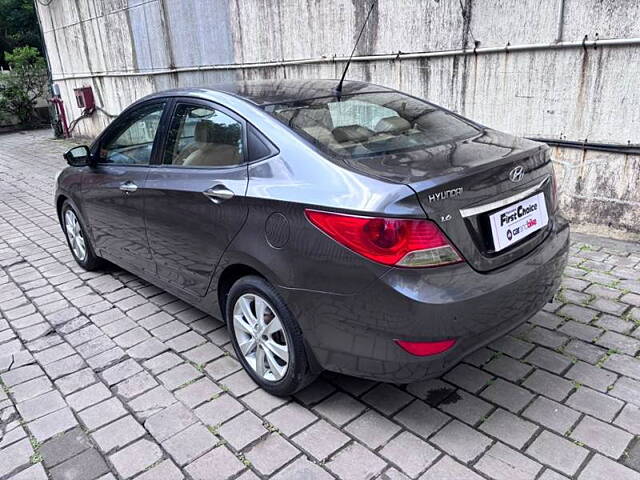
column 461, row 184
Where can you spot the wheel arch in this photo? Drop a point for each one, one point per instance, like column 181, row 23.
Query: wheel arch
column 230, row 275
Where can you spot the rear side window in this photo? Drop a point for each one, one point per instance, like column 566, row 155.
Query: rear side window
column 258, row 146
column 371, row 123
column 203, row 137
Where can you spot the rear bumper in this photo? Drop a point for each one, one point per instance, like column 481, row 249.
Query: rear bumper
column 354, row 334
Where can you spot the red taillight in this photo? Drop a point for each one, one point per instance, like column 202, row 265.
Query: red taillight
column 391, row 241
column 423, row 349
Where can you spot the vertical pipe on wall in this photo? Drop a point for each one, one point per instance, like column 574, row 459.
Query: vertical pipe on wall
column 560, row 32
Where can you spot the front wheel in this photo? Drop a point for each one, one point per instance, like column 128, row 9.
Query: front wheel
column 266, row 337
column 78, row 240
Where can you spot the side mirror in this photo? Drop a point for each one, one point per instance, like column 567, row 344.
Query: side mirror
column 78, row 156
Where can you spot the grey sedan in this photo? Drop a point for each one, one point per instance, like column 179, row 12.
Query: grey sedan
column 361, row 230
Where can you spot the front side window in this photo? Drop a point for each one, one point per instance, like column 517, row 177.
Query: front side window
column 203, row 137
column 371, row 123
column 133, row 142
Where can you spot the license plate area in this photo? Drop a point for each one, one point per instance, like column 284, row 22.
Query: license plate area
column 518, row 221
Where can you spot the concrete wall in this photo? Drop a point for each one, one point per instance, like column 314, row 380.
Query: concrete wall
column 125, row 49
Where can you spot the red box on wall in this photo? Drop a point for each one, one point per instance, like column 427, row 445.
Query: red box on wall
column 84, row 98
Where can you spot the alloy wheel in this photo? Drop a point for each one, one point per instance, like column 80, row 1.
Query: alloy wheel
column 261, row 337
column 75, row 236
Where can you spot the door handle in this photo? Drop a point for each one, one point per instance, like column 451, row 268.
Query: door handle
column 218, row 193
column 128, row 187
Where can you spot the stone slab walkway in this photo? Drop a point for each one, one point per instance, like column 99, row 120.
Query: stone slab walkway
column 104, row 376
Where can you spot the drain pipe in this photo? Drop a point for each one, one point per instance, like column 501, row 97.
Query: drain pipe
column 630, row 149
column 560, row 21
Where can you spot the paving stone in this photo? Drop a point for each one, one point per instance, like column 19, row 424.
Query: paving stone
column 623, row 365
column 198, row 392
column 179, row 376
column 356, row 462
column 203, row 354
column 557, row 452
column 169, row 330
column 121, row 371
column 512, row 346
column 627, row 389
column 547, row 320
column 135, row 385
column 21, row 374
column 261, row 401
column 616, row 324
column 34, row 472
column 509, row 428
column 239, row 383
column 591, row 376
column 135, row 458
column 162, row 362
column 552, row 415
column 147, row 349
column 102, row 413
column 54, row 423
column 461, row 441
column 609, row 306
column 151, row 402
column 584, row 332
column 629, row 419
column 291, row 418
column 584, row 351
column 466, row 407
column 620, row 343
column 186, row 341
column 372, row 429
column 218, row 464
column 15, row 456
column 448, row 469
column 547, row 384
column 508, row 368
column 468, row 377
column 332, row 439
column 433, row 391
column 421, row 419
column 88, row 396
column 549, row 360
column 602, row 437
column 64, row 367
column 632, row 456
column 339, row 408
column 63, row 447
column 222, row 367
column 410, row 453
column 118, row 434
column 31, row 389
column 167, row 470
column 600, row 467
column 503, row 463
column 40, row 406
column 595, row 403
column 219, row 410
column 242, row 430
column 507, row 395
column 169, row 421
column 551, row 475
column 190, row 444
column 577, row 313
column 302, row 468
column 88, row 465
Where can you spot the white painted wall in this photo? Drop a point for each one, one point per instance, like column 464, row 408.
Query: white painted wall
column 126, row 49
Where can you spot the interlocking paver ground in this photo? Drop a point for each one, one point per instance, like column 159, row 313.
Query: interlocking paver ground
column 105, row 376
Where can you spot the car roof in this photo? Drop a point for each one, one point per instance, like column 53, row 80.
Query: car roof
column 265, row 92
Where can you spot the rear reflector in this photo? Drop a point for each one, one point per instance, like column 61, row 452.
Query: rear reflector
column 390, row 241
column 423, row 349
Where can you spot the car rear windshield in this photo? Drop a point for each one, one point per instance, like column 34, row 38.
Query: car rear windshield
column 371, row 123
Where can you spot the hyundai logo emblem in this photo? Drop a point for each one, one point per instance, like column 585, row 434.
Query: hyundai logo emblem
column 516, row 174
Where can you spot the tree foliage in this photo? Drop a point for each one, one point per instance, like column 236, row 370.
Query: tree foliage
column 18, row 27
column 27, row 81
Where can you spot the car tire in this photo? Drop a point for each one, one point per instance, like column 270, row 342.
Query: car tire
column 268, row 337
column 78, row 240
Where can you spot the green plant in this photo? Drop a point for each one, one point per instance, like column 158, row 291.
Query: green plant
column 23, row 85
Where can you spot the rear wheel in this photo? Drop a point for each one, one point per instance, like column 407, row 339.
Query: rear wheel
column 78, row 240
column 266, row 337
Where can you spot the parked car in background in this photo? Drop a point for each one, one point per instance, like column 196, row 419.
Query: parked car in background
column 362, row 231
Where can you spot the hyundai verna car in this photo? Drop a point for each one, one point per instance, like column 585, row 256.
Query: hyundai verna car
column 366, row 232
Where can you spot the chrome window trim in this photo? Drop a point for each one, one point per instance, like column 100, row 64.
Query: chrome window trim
column 471, row 211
